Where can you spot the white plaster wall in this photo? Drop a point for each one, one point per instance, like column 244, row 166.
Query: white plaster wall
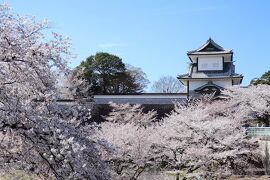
column 223, row 83
column 210, row 63
column 194, row 84
column 237, row 82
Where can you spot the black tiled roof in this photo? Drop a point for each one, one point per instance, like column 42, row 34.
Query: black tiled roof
column 210, row 47
column 139, row 100
column 229, row 71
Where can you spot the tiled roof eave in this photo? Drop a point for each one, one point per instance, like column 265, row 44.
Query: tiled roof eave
column 218, row 48
column 220, row 77
column 210, row 53
column 183, row 75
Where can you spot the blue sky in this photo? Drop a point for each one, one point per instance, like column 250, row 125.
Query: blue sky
column 156, row 34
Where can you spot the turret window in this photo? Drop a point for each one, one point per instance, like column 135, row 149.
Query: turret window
column 210, row 63
column 215, row 65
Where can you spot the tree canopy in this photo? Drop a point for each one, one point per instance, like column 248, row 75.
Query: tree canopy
column 37, row 135
column 264, row 79
column 202, row 138
column 107, row 74
column 167, row 84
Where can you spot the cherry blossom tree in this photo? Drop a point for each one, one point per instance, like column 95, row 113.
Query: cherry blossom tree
column 132, row 135
column 133, row 149
column 36, row 135
column 209, row 139
column 203, row 137
column 208, row 136
column 127, row 113
column 252, row 101
column 168, row 84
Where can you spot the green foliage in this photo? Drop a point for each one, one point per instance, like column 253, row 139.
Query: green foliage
column 107, row 74
column 264, row 79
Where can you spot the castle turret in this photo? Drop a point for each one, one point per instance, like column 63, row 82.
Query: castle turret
column 211, row 69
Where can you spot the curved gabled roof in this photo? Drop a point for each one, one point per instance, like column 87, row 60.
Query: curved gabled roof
column 210, row 47
column 210, row 84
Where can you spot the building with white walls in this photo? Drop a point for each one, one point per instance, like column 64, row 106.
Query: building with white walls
column 211, row 69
